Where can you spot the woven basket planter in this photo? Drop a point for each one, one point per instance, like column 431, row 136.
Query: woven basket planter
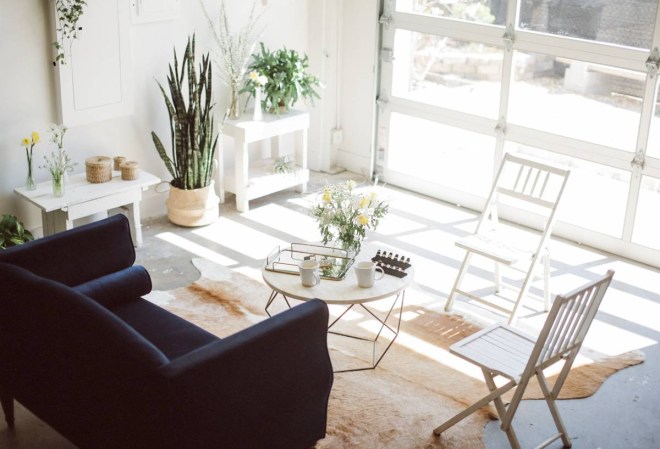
column 197, row 207
column 98, row 169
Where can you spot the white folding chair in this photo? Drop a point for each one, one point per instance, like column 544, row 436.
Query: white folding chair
column 525, row 185
column 504, row 351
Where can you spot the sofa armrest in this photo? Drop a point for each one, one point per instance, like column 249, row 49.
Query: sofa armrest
column 266, row 386
column 77, row 255
column 119, row 287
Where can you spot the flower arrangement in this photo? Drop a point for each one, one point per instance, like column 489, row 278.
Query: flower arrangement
column 58, row 163
column 29, row 143
column 287, row 78
column 234, row 50
column 344, row 214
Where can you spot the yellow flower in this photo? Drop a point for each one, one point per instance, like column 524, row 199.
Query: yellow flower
column 327, row 196
column 254, row 76
column 35, row 137
column 350, row 184
column 364, row 202
column 25, row 142
column 372, row 196
column 363, row 219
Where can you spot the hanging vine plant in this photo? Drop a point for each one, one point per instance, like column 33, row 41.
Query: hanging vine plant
column 67, row 12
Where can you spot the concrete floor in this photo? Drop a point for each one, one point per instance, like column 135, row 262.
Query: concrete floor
column 624, row 413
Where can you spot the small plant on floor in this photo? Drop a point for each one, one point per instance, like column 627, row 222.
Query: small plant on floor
column 12, row 232
column 283, row 165
column 344, row 214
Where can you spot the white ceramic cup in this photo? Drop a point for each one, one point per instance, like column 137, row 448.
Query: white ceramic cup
column 309, row 273
column 366, row 273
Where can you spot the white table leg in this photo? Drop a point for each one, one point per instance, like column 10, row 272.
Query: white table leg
column 301, row 155
column 242, row 164
column 133, row 214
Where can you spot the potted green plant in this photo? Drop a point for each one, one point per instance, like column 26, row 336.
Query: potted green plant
column 192, row 200
column 287, row 79
column 12, row 232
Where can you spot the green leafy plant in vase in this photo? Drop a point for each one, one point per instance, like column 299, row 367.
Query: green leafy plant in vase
column 288, row 79
column 194, row 141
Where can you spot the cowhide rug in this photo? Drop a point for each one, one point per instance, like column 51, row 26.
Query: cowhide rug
column 416, row 387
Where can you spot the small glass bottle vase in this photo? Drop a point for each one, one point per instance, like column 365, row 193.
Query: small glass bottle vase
column 58, row 185
column 30, row 184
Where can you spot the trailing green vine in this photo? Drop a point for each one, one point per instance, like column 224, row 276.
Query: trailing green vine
column 68, row 13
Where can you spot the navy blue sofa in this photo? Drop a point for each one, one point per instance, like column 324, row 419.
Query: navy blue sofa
column 83, row 351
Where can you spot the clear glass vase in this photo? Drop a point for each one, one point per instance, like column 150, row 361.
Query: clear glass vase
column 30, row 184
column 234, row 105
column 58, row 185
column 257, row 115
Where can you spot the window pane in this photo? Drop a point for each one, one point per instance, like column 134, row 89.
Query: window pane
column 441, row 154
column 595, row 196
column 585, row 101
column 647, row 221
column 437, row 70
column 480, row 11
column 653, row 147
column 628, row 23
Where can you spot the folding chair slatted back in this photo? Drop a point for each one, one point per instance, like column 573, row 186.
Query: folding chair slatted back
column 569, row 320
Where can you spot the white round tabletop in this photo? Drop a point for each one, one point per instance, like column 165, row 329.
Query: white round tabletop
column 345, row 291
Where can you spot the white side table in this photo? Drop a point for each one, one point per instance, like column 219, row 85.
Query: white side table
column 254, row 179
column 82, row 199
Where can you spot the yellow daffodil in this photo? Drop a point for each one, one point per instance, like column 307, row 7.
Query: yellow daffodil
column 364, row 202
column 35, row 137
column 327, row 196
column 363, row 219
column 372, row 196
column 25, row 142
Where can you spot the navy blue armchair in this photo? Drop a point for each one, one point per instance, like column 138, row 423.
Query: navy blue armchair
column 83, row 351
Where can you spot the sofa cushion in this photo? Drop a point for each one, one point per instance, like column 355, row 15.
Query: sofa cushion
column 121, row 286
column 171, row 334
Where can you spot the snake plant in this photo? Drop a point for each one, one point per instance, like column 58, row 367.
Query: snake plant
column 191, row 122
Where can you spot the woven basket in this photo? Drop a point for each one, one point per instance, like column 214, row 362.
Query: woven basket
column 129, row 170
column 118, row 161
column 99, row 169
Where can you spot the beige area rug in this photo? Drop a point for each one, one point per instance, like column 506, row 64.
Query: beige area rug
column 398, row 404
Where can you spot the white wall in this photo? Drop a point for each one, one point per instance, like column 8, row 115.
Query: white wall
column 28, row 95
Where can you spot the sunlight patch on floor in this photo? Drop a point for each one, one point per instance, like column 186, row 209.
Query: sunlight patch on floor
column 196, row 248
column 240, row 238
column 302, row 227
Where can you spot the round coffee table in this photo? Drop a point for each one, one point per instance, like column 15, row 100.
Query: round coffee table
column 346, row 292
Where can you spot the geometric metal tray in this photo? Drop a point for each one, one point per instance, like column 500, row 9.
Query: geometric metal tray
column 334, row 262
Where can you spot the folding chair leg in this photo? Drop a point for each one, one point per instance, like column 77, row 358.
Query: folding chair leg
column 552, row 405
column 473, row 408
column 457, row 282
column 498, row 277
column 546, row 280
column 524, row 288
column 501, row 410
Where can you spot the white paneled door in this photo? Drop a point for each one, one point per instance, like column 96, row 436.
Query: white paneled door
column 570, row 82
